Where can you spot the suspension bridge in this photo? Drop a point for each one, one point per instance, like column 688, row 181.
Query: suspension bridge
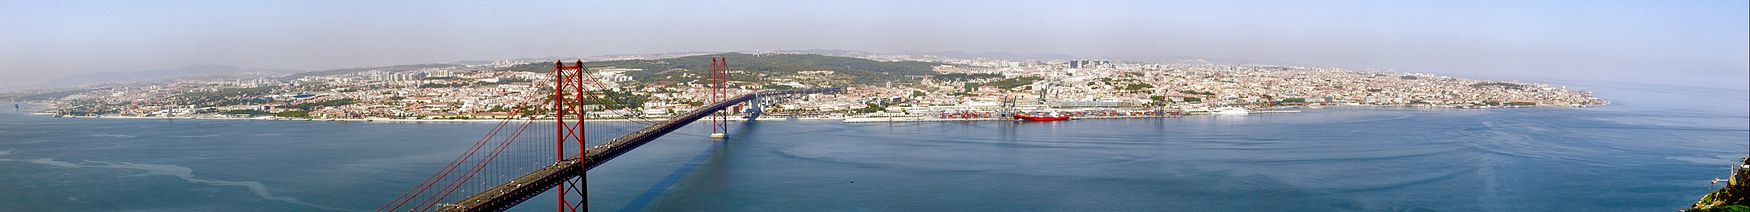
column 505, row 166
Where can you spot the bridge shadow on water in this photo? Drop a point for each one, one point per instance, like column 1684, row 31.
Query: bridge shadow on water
column 662, row 188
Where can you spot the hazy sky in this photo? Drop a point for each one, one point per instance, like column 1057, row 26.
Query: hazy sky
column 1700, row 43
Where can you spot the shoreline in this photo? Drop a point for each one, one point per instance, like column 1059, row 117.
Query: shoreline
column 382, row 120
column 738, row 119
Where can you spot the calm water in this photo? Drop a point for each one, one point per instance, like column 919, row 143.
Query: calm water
column 1654, row 150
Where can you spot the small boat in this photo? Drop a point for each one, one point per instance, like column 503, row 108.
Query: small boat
column 1046, row 117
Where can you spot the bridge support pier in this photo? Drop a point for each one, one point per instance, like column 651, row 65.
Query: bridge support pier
column 754, row 109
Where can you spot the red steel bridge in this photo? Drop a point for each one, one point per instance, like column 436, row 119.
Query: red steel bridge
column 504, row 167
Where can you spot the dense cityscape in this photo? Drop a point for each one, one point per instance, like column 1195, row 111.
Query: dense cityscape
column 975, row 86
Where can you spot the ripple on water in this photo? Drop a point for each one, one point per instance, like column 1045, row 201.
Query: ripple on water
column 113, row 135
column 1707, row 160
column 180, row 172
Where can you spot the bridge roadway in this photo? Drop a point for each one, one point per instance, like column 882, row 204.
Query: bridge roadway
column 507, row 195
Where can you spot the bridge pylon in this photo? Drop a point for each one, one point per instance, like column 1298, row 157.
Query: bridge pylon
column 719, row 93
column 568, row 119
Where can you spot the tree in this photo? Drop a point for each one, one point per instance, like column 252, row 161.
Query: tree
column 871, row 108
column 1138, row 86
column 247, row 112
column 293, row 114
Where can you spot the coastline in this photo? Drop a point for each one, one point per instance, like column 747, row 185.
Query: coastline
column 1734, row 196
column 377, row 120
column 917, row 119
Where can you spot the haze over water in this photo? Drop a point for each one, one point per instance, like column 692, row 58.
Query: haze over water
column 1653, row 149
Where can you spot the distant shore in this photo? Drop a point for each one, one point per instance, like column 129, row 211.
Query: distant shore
column 389, row 120
column 392, row 120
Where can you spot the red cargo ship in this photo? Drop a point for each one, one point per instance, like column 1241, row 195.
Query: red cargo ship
column 1028, row 117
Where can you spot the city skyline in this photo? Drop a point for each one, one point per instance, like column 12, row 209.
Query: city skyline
column 1690, row 43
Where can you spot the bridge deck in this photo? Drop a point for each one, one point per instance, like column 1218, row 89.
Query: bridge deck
column 503, row 196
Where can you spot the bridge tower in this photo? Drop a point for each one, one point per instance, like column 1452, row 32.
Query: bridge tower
column 568, row 124
column 719, row 93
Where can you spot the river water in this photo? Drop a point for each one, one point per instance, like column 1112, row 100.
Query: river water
column 1654, row 149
